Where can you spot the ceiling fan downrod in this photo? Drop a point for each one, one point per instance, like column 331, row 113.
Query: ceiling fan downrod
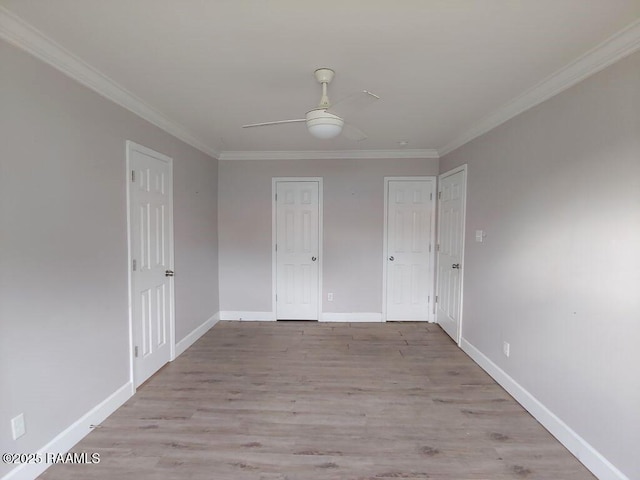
column 324, row 77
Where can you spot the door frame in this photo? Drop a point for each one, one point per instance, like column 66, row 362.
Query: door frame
column 461, row 168
column 432, row 241
column 274, row 259
column 131, row 147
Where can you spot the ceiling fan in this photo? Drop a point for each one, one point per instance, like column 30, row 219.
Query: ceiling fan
column 326, row 120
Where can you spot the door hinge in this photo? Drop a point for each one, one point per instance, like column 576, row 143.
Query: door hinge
column 439, row 195
column 135, row 351
column 429, row 248
column 133, row 176
column 134, row 265
column 429, row 299
column 436, row 298
column 437, row 247
column 431, row 196
column 276, row 247
column 276, row 197
column 276, row 297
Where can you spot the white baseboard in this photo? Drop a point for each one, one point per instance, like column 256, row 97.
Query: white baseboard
column 583, row 451
column 75, row 432
column 197, row 332
column 248, row 316
column 351, row 317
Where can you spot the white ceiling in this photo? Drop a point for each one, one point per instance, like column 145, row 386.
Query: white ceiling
column 439, row 66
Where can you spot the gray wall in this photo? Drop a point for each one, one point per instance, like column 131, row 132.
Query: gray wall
column 353, row 228
column 557, row 190
column 63, row 245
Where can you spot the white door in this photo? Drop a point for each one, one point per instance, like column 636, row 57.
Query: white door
column 409, row 259
column 451, row 213
column 151, row 249
column 297, row 252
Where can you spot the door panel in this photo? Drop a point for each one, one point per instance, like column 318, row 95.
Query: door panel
column 297, row 246
column 450, row 250
column 151, row 252
column 409, row 260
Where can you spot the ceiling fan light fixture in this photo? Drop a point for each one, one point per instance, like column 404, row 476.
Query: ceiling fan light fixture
column 322, row 124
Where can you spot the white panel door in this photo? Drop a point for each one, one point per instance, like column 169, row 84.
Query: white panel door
column 450, row 251
column 151, row 200
column 297, row 216
column 409, row 258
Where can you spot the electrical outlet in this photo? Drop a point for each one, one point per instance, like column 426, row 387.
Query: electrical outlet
column 17, row 426
column 506, row 348
column 330, row 297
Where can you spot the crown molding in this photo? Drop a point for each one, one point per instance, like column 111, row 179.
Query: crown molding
column 614, row 48
column 327, row 154
column 19, row 33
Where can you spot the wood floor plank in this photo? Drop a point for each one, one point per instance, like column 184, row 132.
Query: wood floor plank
column 320, row 401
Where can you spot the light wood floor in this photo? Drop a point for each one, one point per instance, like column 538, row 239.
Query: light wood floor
column 307, row 401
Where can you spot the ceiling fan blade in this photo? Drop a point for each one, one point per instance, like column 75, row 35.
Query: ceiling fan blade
column 279, row 122
column 353, row 133
column 353, row 103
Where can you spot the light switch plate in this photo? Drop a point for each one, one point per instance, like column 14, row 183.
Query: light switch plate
column 480, row 235
column 17, row 426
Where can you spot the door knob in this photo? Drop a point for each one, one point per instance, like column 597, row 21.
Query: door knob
column 455, row 265
column 313, row 259
column 391, row 258
column 168, row 273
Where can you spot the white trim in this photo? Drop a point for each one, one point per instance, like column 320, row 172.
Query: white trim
column 195, row 334
column 328, row 154
column 129, row 261
column 453, row 171
column 23, row 35
column 75, row 432
column 247, row 316
column 130, row 147
column 353, row 317
column 579, row 447
column 274, row 186
column 431, row 179
column 385, row 223
column 274, row 236
column 614, row 48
